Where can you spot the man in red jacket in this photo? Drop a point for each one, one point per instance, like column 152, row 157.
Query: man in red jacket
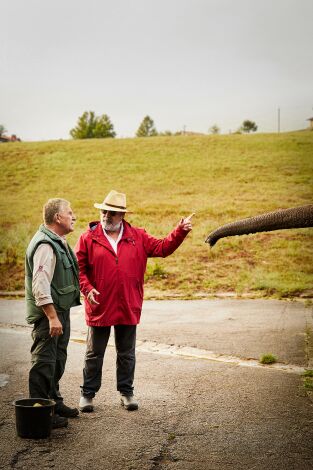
column 112, row 257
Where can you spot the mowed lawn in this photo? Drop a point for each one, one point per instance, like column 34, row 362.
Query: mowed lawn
column 220, row 178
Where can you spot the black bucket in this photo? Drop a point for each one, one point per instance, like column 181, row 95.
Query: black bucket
column 33, row 422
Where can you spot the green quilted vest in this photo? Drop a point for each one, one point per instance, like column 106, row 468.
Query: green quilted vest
column 65, row 283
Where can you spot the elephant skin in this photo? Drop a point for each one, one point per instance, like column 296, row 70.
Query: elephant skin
column 296, row 217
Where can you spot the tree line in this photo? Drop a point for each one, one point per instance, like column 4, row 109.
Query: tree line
column 90, row 126
column 246, row 127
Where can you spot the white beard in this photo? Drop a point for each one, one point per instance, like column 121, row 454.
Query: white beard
column 111, row 227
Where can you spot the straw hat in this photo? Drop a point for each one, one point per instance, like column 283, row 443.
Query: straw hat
column 114, row 201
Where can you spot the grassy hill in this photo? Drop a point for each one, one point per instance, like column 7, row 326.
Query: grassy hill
column 221, row 178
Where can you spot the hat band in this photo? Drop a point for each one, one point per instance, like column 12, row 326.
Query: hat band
column 112, row 205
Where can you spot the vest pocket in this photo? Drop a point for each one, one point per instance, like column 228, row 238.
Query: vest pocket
column 66, row 262
column 66, row 296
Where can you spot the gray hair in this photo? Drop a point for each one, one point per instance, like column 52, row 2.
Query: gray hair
column 52, row 207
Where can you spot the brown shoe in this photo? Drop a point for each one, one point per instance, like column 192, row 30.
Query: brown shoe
column 129, row 402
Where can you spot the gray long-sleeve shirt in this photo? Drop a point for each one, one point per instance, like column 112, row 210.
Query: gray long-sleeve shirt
column 44, row 265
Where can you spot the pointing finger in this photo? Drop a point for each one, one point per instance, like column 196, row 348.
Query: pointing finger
column 189, row 217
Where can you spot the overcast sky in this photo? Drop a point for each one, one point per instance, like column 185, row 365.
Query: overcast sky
column 188, row 63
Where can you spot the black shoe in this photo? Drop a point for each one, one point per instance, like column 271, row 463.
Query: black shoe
column 65, row 411
column 59, row 421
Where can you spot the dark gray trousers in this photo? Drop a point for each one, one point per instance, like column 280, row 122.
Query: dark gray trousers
column 48, row 358
column 125, row 343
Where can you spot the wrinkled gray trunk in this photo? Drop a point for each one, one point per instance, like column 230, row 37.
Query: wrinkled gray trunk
column 296, row 217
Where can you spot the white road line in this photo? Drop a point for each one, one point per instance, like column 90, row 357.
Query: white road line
column 195, row 353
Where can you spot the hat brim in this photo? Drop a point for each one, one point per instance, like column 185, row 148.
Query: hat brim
column 110, row 208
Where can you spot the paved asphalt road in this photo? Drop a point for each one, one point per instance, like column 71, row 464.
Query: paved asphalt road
column 205, row 403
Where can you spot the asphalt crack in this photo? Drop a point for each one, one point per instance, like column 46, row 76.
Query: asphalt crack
column 309, row 340
column 34, row 457
column 14, row 326
column 164, row 457
column 16, row 457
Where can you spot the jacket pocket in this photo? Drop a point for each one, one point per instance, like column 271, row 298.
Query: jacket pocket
column 102, row 298
column 135, row 295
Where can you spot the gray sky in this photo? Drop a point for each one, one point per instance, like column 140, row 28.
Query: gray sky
column 183, row 62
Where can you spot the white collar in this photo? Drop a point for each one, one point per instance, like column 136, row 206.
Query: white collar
column 111, row 240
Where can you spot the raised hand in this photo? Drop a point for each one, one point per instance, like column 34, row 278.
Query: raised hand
column 186, row 224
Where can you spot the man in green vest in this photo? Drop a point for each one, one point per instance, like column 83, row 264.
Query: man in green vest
column 52, row 288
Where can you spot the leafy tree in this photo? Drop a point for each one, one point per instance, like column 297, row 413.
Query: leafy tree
column 248, row 126
column 104, row 127
column 90, row 126
column 214, row 129
column 146, row 128
column 2, row 130
column 166, row 133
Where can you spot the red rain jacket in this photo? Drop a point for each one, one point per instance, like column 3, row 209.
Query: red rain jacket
column 119, row 278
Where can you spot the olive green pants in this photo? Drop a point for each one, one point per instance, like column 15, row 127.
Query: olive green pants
column 48, row 358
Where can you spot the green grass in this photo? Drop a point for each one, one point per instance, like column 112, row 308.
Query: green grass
column 308, row 373
column 221, row 178
column 268, row 359
column 307, row 380
column 155, row 271
column 308, row 384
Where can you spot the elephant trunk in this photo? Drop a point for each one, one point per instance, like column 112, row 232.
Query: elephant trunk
column 296, row 217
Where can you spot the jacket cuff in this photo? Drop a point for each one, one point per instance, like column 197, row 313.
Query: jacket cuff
column 182, row 233
column 86, row 290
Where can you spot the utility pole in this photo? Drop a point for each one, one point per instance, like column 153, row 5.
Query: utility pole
column 278, row 121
